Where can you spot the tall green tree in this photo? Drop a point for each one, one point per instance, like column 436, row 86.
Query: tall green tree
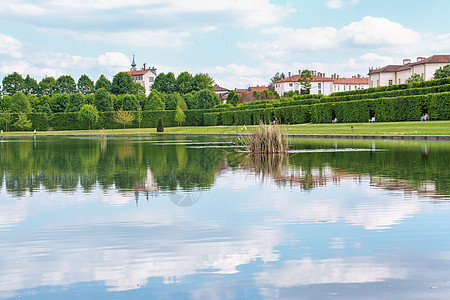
column 20, row 103
column 23, row 122
column 172, row 101
column 442, row 72
column 12, row 84
column 129, row 103
column 65, row 84
column 47, row 86
column 76, row 101
column 278, row 76
column 6, row 117
column 85, row 85
column 206, row 98
column 88, row 115
column 305, row 80
column 202, row 81
column 103, row 101
column 232, row 98
column 165, row 83
column 190, row 100
column 30, row 86
column 184, row 83
column 103, row 82
column 154, row 102
column 59, row 102
column 122, row 84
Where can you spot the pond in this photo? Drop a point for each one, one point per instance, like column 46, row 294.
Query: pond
column 177, row 217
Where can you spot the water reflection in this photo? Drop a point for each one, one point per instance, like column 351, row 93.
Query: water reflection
column 152, row 218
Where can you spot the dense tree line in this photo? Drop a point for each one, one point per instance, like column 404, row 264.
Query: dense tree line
column 50, row 95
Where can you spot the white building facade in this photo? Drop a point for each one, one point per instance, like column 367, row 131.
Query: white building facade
column 144, row 77
column 320, row 84
column 398, row 74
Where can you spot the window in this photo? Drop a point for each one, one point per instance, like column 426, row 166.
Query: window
column 151, row 79
column 291, row 84
column 399, row 81
column 320, row 86
column 378, row 82
column 356, row 87
column 320, row 91
column 349, row 87
column 390, row 82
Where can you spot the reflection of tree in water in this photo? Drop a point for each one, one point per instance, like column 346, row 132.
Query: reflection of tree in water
column 66, row 163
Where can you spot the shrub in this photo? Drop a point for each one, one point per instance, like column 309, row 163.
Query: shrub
column 160, row 126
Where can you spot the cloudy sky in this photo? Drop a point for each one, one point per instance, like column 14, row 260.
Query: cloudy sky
column 238, row 42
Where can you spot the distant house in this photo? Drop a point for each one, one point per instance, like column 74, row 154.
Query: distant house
column 222, row 93
column 320, row 84
column 144, row 77
column 398, row 74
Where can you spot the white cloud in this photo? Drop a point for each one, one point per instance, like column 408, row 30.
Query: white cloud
column 334, row 4
column 10, row 46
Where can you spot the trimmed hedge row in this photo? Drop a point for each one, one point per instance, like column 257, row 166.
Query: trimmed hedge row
column 420, row 84
column 387, row 109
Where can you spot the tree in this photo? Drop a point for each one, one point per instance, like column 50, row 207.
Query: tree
column 154, row 102
column 76, row 101
column 232, row 98
column 20, row 103
column 129, row 102
column 122, row 84
column 23, row 122
column 88, row 114
column 47, row 86
column 139, row 116
column 30, row 86
column 12, row 83
column 180, row 117
column 184, row 83
column 35, row 102
column 202, row 81
column 45, row 108
column 442, row 72
column 59, row 103
column 103, row 101
column 274, row 79
column 124, row 117
column 415, row 78
column 172, row 101
column 66, row 85
column 85, row 85
column 206, row 98
column 103, row 82
column 305, row 80
column 6, row 116
column 181, row 103
column 165, row 83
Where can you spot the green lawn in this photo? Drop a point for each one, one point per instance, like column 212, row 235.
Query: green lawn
column 394, row 128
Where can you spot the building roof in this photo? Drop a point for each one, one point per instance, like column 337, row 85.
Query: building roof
column 435, row 59
column 139, row 72
column 219, row 89
column 259, row 89
column 358, row 81
column 295, row 78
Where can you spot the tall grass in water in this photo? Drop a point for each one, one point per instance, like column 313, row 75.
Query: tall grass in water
column 268, row 139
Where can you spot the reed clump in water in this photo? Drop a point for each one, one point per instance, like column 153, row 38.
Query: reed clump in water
column 268, row 139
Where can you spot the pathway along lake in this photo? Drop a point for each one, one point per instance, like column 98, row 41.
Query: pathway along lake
column 144, row 217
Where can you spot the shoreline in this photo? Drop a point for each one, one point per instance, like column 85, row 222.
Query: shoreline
column 308, row 136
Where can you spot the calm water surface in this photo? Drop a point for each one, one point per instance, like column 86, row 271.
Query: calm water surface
column 190, row 218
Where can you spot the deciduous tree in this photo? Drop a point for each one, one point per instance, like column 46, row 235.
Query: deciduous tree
column 442, row 72
column 124, row 117
column 180, row 117
column 12, row 83
column 85, row 85
column 122, row 84
column 47, row 86
column 103, row 82
column 305, row 80
column 66, row 85
column 23, row 122
column 103, row 101
column 89, row 115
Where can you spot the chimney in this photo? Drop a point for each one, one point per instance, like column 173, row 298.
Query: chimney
column 406, row 61
column 299, row 72
column 337, row 76
column 420, row 58
column 144, row 65
column 289, row 74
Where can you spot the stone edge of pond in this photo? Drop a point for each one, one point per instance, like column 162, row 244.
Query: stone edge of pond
column 313, row 136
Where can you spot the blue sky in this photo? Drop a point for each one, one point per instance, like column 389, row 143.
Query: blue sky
column 238, row 42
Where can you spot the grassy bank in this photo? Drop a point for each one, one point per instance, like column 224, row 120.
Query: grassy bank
column 394, row 128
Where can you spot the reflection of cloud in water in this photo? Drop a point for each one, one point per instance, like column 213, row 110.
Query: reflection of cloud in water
column 125, row 256
column 348, row 270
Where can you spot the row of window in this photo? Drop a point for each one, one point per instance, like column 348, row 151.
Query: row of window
column 136, row 78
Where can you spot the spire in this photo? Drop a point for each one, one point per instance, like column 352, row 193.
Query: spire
column 133, row 65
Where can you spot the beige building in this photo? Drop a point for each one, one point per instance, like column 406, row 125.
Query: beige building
column 320, row 84
column 144, row 77
column 398, row 74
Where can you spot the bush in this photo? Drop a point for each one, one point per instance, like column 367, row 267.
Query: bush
column 160, row 126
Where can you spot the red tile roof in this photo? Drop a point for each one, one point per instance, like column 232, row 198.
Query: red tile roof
column 219, row 89
column 435, row 59
column 139, row 72
column 358, row 81
column 295, row 78
column 259, row 89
